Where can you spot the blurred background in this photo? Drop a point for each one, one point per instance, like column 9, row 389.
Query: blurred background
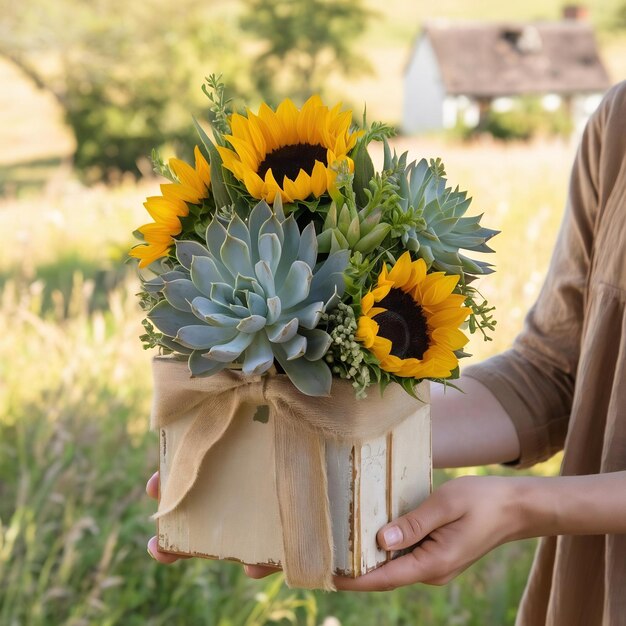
column 86, row 91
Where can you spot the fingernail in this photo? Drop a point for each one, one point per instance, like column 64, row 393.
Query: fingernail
column 150, row 553
column 392, row 536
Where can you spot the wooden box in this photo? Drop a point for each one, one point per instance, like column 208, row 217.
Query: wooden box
column 232, row 511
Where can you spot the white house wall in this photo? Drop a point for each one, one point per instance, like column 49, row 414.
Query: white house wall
column 424, row 93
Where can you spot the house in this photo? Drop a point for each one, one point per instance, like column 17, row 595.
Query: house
column 458, row 71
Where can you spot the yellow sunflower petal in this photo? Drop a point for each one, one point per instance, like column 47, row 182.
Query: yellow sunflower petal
column 382, row 291
column 155, row 232
column 319, row 182
column 148, row 253
column 273, row 127
column 401, row 272
column 381, row 347
column 202, row 167
column 302, row 185
column 240, row 127
column 367, row 302
column 418, row 274
column 164, row 210
column 270, row 187
column 188, row 177
column 450, row 338
column 366, row 331
column 256, row 133
column 254, row 184
column 449, row 317
column 453, row 301
column 174, row 191
column 288, row 114
column 436, row 287
column 246, row 151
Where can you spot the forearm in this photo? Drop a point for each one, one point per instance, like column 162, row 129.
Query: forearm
column 572, row 505
column 470, row 428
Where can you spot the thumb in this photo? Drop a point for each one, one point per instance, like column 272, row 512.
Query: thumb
column 414, row 526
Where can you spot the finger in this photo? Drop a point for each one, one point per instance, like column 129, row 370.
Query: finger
column 411, row 528
column 162, row 557
column 152, row 486
column 259, row 571
column 417, row 566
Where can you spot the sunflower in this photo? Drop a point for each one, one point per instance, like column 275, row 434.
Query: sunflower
column 192, row 188
column 414, row 328
column 288, row 151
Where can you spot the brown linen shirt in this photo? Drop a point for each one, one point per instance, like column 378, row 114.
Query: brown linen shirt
column 564, row 381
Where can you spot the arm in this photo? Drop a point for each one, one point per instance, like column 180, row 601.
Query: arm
column 469, row 516
column 470, row 428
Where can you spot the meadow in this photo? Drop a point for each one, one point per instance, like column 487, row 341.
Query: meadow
column 75, row 384
column 75, row 394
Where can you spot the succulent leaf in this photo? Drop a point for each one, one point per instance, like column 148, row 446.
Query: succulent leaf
column 186, row 250
column 204, row 273
column 169, row 320
column 259, row 356
column 228, row 352
column 430, row 220
column 180, row 293
column 296, row 287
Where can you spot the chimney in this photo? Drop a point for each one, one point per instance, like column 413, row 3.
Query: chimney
column 576, row 12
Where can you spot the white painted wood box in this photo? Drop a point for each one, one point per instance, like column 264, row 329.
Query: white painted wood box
column 232, row 511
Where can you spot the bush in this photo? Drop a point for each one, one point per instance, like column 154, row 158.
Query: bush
column 527, row 120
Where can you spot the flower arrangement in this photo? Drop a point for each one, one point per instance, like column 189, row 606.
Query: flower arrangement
column 283, row 249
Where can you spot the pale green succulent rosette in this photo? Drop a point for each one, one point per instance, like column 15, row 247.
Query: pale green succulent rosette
column 254, row 295
column 445, row 229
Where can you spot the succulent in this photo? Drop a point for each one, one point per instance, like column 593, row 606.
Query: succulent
column 430, row 219
column 253, row 295
column 348, row 228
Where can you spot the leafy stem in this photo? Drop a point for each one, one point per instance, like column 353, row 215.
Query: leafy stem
column 214, row 90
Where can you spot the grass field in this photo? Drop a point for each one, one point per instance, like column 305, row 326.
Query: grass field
column 75, row 384
column 74, row 400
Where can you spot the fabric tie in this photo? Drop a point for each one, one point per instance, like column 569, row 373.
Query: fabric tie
column 301, row 425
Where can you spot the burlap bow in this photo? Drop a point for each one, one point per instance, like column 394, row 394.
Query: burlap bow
column 301, row 424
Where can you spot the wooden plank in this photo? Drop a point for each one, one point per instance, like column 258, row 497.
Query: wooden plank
column 372, row 502
column 232, row 512
column 339, row 463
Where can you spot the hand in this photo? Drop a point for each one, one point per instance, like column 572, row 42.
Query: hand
column 152, row 489
column 463, row 520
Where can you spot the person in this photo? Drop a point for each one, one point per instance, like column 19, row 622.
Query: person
column 561, row 385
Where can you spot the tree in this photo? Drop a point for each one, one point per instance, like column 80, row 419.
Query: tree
column 128, row 75
column 305, row 41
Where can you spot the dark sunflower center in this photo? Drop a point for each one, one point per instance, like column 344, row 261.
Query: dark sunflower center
column 289, row 160
column 404, row 324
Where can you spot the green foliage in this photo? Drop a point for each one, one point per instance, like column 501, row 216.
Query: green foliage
column 214, row 89
column 304, row 43
column 127, row 76
column 527, row 120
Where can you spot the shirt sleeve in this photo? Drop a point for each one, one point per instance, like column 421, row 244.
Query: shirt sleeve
column 534, row 380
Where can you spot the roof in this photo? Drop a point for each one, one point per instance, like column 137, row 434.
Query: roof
column 510, row 58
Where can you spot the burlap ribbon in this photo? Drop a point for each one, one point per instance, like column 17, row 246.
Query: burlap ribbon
column 301, row 424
